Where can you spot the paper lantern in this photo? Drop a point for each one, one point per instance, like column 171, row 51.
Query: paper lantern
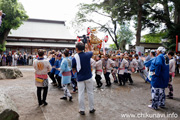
column 78, row 39
column 106, row 38
column 88, row 30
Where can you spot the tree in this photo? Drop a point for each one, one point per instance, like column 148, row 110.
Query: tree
column 125, row 36
column 126, row 10
column 119, row 11
column 153, row 37
column 15, row 15
column 87, row 10
column 146, row 14
column 170, row 16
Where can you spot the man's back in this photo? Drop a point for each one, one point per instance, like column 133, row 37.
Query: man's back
column 85, row 71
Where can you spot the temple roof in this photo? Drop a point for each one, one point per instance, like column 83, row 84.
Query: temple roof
column 38, row 28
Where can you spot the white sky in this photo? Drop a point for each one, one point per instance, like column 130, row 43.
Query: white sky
column 58, row 10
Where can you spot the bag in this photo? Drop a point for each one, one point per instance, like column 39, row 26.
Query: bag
column 39, row 80
column 45, row 83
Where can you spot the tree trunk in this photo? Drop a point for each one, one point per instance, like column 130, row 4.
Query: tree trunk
column 3, row 36
column 116, row 43
column 177, row 13
column 139, row 26
column 166, row 14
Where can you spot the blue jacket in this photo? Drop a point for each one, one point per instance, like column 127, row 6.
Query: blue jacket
column 160, row 65
column 57, row 65
column 52, row 62
column 148, row 63
column 65, row 67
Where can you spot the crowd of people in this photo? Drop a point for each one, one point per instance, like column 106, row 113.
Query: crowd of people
column 17, row 58
column 65, row 68
column 157, row 68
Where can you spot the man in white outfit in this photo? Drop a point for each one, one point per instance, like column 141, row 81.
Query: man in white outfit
column 81, row 64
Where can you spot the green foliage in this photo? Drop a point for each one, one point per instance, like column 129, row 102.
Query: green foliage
column 171, row 36
column 15, row 14
column 122, row 10
column 153, row 37
column 3, row 47
column 113, row 46
column 153, row 17
column 125, row 36
column 157, row 15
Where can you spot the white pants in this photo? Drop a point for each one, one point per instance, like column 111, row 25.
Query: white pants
column 66, row 91
column 88, row 85
column 15, row 63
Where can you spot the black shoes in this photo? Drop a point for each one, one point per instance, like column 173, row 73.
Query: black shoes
column 70, row 98
column 92, row 111
column 115, row 81
column 42, row 102
column 169, row 97
column 99, row 86
column 108, row 85
column 82, row 112
column 45, row 103
column 63, row 98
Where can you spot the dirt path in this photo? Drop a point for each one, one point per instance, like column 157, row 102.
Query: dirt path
column 110, row 103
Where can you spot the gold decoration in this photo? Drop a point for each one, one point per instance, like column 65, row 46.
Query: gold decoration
column 95, row 41
column 40, row 66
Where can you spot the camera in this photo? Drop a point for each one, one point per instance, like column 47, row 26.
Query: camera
column 84, row 38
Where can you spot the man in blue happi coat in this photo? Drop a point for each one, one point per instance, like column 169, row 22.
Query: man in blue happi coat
column 160, row 78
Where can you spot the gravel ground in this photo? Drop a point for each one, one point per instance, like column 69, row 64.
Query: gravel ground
column 110, row 103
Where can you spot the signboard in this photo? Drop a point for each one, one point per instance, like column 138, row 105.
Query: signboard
column 139, row 49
